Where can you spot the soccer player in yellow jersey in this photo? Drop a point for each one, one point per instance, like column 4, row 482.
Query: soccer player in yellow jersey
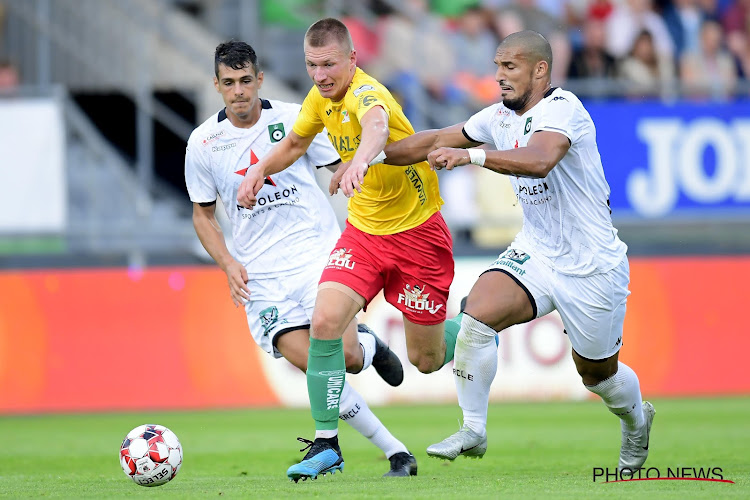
column 395, row 238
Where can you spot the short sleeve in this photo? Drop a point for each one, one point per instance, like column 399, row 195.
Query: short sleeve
column 559, row 116
column 308, row 121
column 479, row 127
column 321, row 152
column 198, row 179
column 366, row 97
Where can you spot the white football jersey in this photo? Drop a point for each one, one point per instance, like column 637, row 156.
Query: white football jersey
column 293, row 224
column 566, row 215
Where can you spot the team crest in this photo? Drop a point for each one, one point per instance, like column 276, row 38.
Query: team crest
column 516, row 255
column 340, row 258
column 345, row 114
column 416, row 299
column 269, row 317
column 276, row 132
column 527, row 128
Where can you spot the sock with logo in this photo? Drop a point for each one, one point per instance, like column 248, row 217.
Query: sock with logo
column 367, row 342
column 326, row 370
column 474, row 370
column 451, row 326
column 354, row 411
column 622, row 394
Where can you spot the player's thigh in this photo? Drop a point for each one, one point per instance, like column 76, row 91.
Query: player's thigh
column 419, row 271
column 294, row 346
column 335, row 308
column 514, row 289
column 271, row 312
column 593, row 310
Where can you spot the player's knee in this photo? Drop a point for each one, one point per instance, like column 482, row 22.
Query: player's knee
column 425, row 363
column 325, row 325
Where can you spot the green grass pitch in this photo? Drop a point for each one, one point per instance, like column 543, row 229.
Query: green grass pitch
column 536, row 450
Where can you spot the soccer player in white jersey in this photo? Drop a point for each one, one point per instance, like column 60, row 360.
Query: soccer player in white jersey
column 567, row 255
column 282, row 246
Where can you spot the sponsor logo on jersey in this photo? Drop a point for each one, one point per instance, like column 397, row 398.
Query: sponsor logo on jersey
column 416, row 181
column 558, row 98
column 276, row 132
column 367, row 100
column 527, row 127
column 512, row 259
column 516, row 255
column 415, row 299
column 345, row 114
column 340, row 258
column 223, row 147
column 361, row 89
column 344, row 143
column 212, row 137
column 269, row 318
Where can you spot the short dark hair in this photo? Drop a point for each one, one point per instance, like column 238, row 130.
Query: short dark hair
column 326, row 30
column 236, row 55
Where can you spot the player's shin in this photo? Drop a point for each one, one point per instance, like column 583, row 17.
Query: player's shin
column 622, row 394
column 474, row 369
column 326, row 371
column 354, row 411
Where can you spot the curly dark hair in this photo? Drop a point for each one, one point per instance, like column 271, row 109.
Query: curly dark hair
column 236, row 55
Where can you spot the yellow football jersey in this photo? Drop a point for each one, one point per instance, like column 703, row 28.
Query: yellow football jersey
column 393, row 198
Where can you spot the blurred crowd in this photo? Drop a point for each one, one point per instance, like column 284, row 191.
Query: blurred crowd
column 441, row 51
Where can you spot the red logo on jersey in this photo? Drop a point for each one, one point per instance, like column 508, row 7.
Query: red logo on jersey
column 253, row 161
column 513, row 146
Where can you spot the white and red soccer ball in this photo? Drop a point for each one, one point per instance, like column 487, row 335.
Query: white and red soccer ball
column 151, row 455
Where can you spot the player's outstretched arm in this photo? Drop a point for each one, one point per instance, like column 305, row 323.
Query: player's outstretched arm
column 209, row 233
column 283, row 155
column 544, row 150
column 375, row 132
column 415, row 148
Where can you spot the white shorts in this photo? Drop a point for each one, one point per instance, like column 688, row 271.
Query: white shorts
column 592, row 307
column 280, row 305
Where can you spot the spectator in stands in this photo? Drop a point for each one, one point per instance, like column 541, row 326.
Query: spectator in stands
column 710, row 69
column 645, row 71
column 736, row 22
column 413, row 58
column 592, row 60
column 474, row 72
column 625, row 23
column 683, row 19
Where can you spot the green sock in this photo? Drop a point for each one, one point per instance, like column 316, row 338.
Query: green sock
column 325, row 357
column 452, row 326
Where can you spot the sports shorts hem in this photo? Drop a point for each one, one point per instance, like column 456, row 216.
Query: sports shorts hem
column 523, row 287
column 288, row 329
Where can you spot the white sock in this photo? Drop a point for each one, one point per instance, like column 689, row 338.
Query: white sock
column 622, row 394
column 474, row 367
column 326, row 434
column 355, row 412
column 367, row 342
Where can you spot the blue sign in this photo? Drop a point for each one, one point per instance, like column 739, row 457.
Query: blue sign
column 687, row 160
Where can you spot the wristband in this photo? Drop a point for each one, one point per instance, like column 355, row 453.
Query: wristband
column 378, row 159
column 477, row 156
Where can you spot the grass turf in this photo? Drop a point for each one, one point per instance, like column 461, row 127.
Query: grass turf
column 535, row 450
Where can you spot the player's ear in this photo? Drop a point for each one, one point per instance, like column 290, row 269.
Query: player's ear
column 216, row 85
column 260, row 79
column 541, row 69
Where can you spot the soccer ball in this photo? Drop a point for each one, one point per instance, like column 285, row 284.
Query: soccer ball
column 151, row 455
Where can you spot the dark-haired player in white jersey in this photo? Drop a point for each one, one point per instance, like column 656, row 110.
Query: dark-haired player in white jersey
column 282, row 246
column 567, row 255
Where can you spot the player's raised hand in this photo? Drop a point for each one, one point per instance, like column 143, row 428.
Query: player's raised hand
column 353, row 178
column 448, row 158
column 237, row 277
column 251, row 184
column 333, row 188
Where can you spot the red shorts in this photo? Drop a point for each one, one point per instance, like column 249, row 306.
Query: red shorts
column 414, row 268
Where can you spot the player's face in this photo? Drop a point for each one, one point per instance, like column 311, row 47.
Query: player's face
column 331, row 68
column 514, row 75
column 239, row 89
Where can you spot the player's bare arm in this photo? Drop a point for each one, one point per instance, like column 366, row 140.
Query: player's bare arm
column 375, row 134
column 284, row 154
column 209, row 233
column 415, row 148
column 333, row 187
column 543, row 151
